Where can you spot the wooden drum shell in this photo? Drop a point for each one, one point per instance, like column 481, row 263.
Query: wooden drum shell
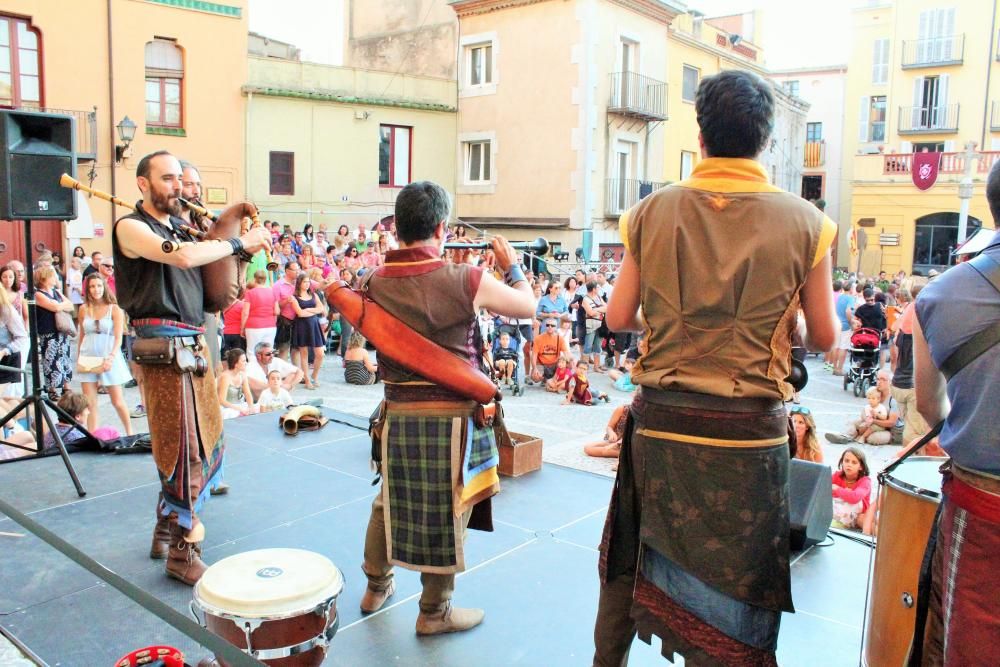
column 906, row 518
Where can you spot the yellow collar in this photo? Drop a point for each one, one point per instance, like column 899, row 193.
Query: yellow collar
column 730, row 175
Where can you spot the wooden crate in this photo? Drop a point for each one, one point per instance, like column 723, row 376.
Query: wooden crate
column 519, row 454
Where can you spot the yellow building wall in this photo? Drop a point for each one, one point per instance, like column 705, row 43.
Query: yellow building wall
column 336, row 144
column 965, row 82
column 532, row 113
column 75, row 61
column 685, row 48
column 896, row 210
column 892, row 199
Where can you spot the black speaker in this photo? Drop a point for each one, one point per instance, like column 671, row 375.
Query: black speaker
column 35, row 150
column 810, row 503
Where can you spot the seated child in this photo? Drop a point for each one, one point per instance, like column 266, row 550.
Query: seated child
column 579, row 390
column 560, row 379
column 852, row 492
column 77, row 407
column 874, row 410
column 611, row 446
column 505, row 358
column 274, row 396
column 623, row 379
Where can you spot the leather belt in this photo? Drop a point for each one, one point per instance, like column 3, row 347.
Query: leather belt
column 687, row 399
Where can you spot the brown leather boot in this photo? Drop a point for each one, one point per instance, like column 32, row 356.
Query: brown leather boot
column 452, row 619
column 183, row 561
column 373, row 600
column 161, row 537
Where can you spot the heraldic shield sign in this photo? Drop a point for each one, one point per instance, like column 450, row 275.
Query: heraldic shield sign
column 925, row 169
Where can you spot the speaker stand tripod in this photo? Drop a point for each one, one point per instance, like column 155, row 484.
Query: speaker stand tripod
column 38, row 399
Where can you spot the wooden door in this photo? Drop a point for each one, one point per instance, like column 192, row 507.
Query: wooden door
column 45, row 235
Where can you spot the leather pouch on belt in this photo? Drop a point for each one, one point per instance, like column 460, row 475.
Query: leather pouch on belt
column 153, row 351
column 164, row 352
column 485, row 414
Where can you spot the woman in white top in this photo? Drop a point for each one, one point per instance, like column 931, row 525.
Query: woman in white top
column 102, row 324
column 234, row 387
column 74, row 281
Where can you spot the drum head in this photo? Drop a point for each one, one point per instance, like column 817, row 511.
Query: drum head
column 919, row 475
column 269, row 583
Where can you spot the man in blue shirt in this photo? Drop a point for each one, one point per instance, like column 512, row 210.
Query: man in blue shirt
column 963, row 617
column 844, row 305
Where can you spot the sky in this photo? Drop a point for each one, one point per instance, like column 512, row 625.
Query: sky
column 315, row 26
column 797, row 33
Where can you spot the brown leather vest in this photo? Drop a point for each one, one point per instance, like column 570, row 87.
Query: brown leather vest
column 720, row 275
column 432, row 297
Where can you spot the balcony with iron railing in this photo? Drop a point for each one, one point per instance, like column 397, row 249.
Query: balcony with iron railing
column 995, row 117
column 638, row 96
column 815, row 154
column 86, row 129
column 621, row 194
column 950, row 163
column 941, row 119
column 933, row 52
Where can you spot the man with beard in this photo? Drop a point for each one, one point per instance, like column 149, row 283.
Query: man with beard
column 163, row 294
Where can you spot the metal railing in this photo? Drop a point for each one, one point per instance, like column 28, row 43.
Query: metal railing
column 815, row 154
column 86, row 129
column 937, row 119
column 621, row 194
column 951, row 163
column 638, row 96
column 933, row 52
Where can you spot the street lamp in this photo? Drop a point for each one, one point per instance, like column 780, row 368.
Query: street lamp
column 126, row 133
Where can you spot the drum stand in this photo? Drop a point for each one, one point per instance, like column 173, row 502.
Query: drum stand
column 38, row 399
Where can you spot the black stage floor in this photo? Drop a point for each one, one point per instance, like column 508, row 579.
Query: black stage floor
column 536, row 575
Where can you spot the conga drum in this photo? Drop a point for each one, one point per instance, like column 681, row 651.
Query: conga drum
column 908, row 501
column 278, row 605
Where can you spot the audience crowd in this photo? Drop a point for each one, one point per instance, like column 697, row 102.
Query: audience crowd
column 275, row 337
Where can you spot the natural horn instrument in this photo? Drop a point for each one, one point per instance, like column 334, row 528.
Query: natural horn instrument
column 204, row 212
column 68, row 181
column 224, row 277
column 409, row 349
column 537, row 247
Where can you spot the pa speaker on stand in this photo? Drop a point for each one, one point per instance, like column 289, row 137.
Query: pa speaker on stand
column 36, row 148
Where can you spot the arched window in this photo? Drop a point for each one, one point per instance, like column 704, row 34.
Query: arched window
column 936, row 238
column 20, row 64
column 164, row 76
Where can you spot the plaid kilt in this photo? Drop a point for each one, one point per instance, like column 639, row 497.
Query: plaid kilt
column 963, row 621
column 428, row 460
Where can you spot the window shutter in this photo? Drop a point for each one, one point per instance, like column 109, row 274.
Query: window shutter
column 905, row 147
column 863, row 119
column 923, row 35
column 947, row 32
column 876, row 51
column 949, row 146
column 942, row 95
column 918, row 100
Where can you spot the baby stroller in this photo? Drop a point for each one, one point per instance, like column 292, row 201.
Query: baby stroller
column 864, row 360
column 512, row 352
